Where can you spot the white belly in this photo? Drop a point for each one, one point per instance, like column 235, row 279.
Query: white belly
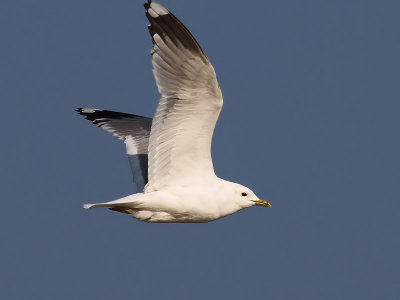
column 191, row 205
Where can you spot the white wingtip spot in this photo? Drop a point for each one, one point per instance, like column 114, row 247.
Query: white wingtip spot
column 157, row 39
column 89, row 110
column 152, row 13
column 87, row 206
column 159, row 9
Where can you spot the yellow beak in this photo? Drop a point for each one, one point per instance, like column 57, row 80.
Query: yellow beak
column 262, row 203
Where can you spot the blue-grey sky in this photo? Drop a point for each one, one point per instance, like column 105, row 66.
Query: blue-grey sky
column 310, row 123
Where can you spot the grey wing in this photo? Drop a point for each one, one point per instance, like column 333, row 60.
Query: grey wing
column 134, row 130
column 191, row 100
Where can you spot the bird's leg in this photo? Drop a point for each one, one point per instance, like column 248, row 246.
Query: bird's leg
column 124, row 210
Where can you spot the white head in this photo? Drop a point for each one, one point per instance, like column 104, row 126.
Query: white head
column 244, row 197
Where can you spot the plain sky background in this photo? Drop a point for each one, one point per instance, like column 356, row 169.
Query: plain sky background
column 310, row 123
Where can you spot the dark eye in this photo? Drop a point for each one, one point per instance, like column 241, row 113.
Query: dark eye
column 244, row 194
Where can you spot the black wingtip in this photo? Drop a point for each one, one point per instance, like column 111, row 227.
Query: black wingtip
column 100, row 115
column 147, row 4
column 166, row 24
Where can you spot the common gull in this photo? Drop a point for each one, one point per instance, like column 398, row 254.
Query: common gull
column 170, row 155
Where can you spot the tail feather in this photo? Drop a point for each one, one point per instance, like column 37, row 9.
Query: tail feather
column 125, row 202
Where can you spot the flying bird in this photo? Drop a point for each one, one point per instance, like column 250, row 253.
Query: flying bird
column 170, row 155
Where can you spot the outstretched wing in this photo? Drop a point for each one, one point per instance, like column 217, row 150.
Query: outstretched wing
column 133, row 130
column 182, row 129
